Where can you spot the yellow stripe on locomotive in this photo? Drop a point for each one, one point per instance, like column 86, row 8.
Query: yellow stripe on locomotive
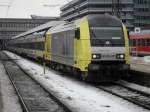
column 82, row 46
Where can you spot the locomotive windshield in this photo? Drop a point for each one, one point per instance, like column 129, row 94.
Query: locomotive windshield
column 106, row 36
column 106, row 33
column 106, row 30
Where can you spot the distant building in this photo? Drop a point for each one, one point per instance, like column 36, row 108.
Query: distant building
column 142, row 13
column 79, row 8
column 10, row 27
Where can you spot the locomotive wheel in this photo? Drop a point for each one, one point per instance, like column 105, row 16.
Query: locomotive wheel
column 84, row 76
column 77, row 74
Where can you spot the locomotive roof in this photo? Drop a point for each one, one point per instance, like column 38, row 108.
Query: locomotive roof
column 62, row 27
column 103, row 20
column 96, row 20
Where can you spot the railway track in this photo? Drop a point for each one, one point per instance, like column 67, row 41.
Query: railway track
column 32, row 97
column 30, row 101
column 135, row 96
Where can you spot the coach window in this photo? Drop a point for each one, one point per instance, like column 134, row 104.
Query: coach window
column 138, row 42
column 26, row 45
column 32, row 46
column 41, row 45
column 36, row 46
column 143, row 42
column 131, row 42
column 148, row 42
column 134, row 42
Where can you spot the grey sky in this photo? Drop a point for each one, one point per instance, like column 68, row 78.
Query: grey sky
column 24, row 8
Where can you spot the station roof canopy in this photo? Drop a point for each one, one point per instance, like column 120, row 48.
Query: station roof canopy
column 39, row 28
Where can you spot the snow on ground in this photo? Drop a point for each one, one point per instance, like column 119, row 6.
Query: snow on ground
column 9, row 97
column 78, row 95
column 140, row 60
column 140, row 68
column 139, row 64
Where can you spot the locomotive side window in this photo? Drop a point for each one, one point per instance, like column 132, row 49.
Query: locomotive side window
column 77, row 33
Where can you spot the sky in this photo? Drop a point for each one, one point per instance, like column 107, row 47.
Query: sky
column 25, row 8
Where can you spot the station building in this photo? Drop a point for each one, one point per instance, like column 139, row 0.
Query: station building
column 133, row 13
column 79, row 8
column 142, row 13
column 10, row 27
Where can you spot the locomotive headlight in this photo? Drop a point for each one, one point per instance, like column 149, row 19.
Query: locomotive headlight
column 96, row 56
column 120, row 56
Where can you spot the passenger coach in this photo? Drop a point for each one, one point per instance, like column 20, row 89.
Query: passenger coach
column 140, row 43
column 94, row 48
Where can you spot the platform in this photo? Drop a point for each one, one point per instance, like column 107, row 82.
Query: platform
column 139, row 65
column 140, row 71
column 140, row 68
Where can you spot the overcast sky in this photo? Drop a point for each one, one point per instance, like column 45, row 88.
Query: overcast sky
column 25, row 8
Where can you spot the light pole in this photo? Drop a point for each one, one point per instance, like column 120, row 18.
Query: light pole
column 116, row 8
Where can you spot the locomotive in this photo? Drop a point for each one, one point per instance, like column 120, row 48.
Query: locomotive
column 93, row 48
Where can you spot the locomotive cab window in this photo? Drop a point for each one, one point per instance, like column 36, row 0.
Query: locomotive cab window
column 77, row 33
column 103, row 36
column 128, row 33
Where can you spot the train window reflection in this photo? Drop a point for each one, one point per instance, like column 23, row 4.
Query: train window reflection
column 106, row 32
